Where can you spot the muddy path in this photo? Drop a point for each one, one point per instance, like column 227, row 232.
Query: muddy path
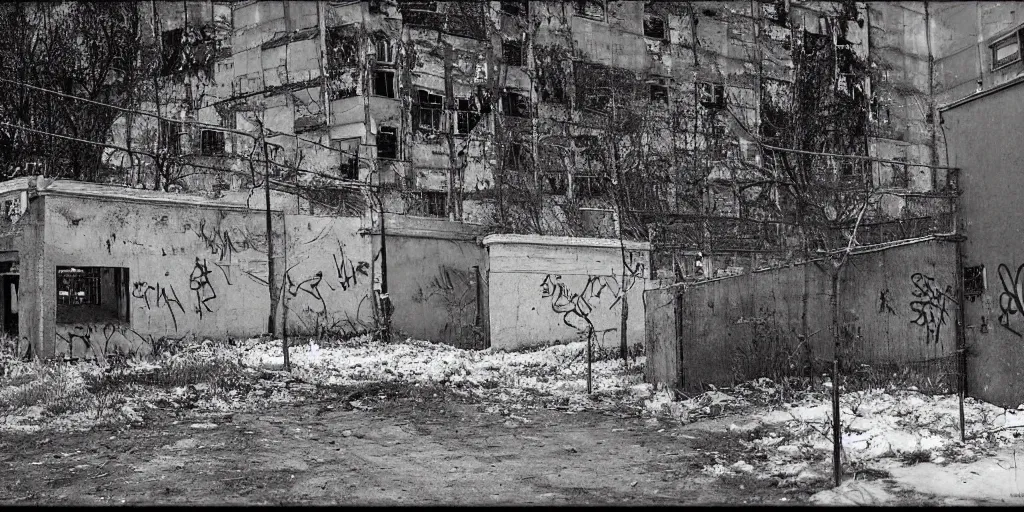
column 413, row 447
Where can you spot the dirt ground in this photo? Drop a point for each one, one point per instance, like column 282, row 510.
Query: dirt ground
column 417, row 446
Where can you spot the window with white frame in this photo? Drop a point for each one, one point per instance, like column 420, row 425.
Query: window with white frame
column 1006, row 50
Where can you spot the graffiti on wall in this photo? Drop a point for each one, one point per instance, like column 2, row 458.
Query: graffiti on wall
column 929, row 305
column 96, row 341
column 885, row 303
column 312, row 294
column 1010, row 298
column 348, row 270
column 199, row 282
column 143, row 290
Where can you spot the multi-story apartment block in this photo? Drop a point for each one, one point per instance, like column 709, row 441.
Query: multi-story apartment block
column 544, row 116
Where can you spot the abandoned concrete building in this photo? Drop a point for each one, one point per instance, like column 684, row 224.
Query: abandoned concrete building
column 501, row 113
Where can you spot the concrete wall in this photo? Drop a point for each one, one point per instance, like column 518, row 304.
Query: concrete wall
column 329, row 278
column 985, row 141
column 192, row 271
column 547, row 289
column 434, row 267
column 897, row 305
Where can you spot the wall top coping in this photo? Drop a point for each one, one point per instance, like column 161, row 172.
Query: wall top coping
column 564, row 241
column 46, row 186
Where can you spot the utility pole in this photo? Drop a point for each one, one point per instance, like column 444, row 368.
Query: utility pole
column 271, row 327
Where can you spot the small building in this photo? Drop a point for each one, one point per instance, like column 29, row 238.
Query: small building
column 89, row 270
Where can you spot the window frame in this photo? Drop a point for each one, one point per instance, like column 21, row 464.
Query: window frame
column 218, row 146
column 434, row 108
column 513, row 43
column 1014, row 37
column 649, row 16
column 388, row 47
column 390, row 87
column 579, row 9
column 465, row 116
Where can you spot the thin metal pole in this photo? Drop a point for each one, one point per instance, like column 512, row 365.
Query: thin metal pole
column 837, row 446
column 590, row 361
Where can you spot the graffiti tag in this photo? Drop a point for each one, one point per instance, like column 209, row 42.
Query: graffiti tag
column 199, row 282
column 142, row 290
column 1010, row 298
column 930, row 305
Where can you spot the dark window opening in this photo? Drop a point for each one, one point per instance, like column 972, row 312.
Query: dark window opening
column 814, row 42
column 170, row 137
column 1006, row 50
column 435, row 203
column 654, row 26
column 974, row 281
column 512, row 52
column 513, row 7
column 466, row 116
column 92, row 294
column 384, row 83
column 593, row 9
column 387, row 142
column 711, row 95
column 430, row 112
column 515, row 104
column 853, row 172
column 517, row 155
column 374, row 7
column 588, row 186
column 171, row 51
column 555, row 183
column 659, row 91
column 212, row 143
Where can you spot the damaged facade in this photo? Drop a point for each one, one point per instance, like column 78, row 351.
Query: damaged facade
column 529, row 116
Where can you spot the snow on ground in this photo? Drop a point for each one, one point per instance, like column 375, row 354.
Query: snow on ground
column 558, row 371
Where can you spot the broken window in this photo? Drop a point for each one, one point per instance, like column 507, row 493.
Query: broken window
column 513, row 7
column 385, row 51
column 466, row 116
column 384, row 83
column 430, row 111
column 212, row 142
column 659, row 91
column 387, row 142
column 434, row 203
column 515, row 104
column 974, row 281
column 654, row 27
column 170, row 137
column 879, row 112
column 171, row 51
column 92, row 294
column 813, row 42
column 593, row 9
column 512, row 52
column 711, row 95
column 1006, row 50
